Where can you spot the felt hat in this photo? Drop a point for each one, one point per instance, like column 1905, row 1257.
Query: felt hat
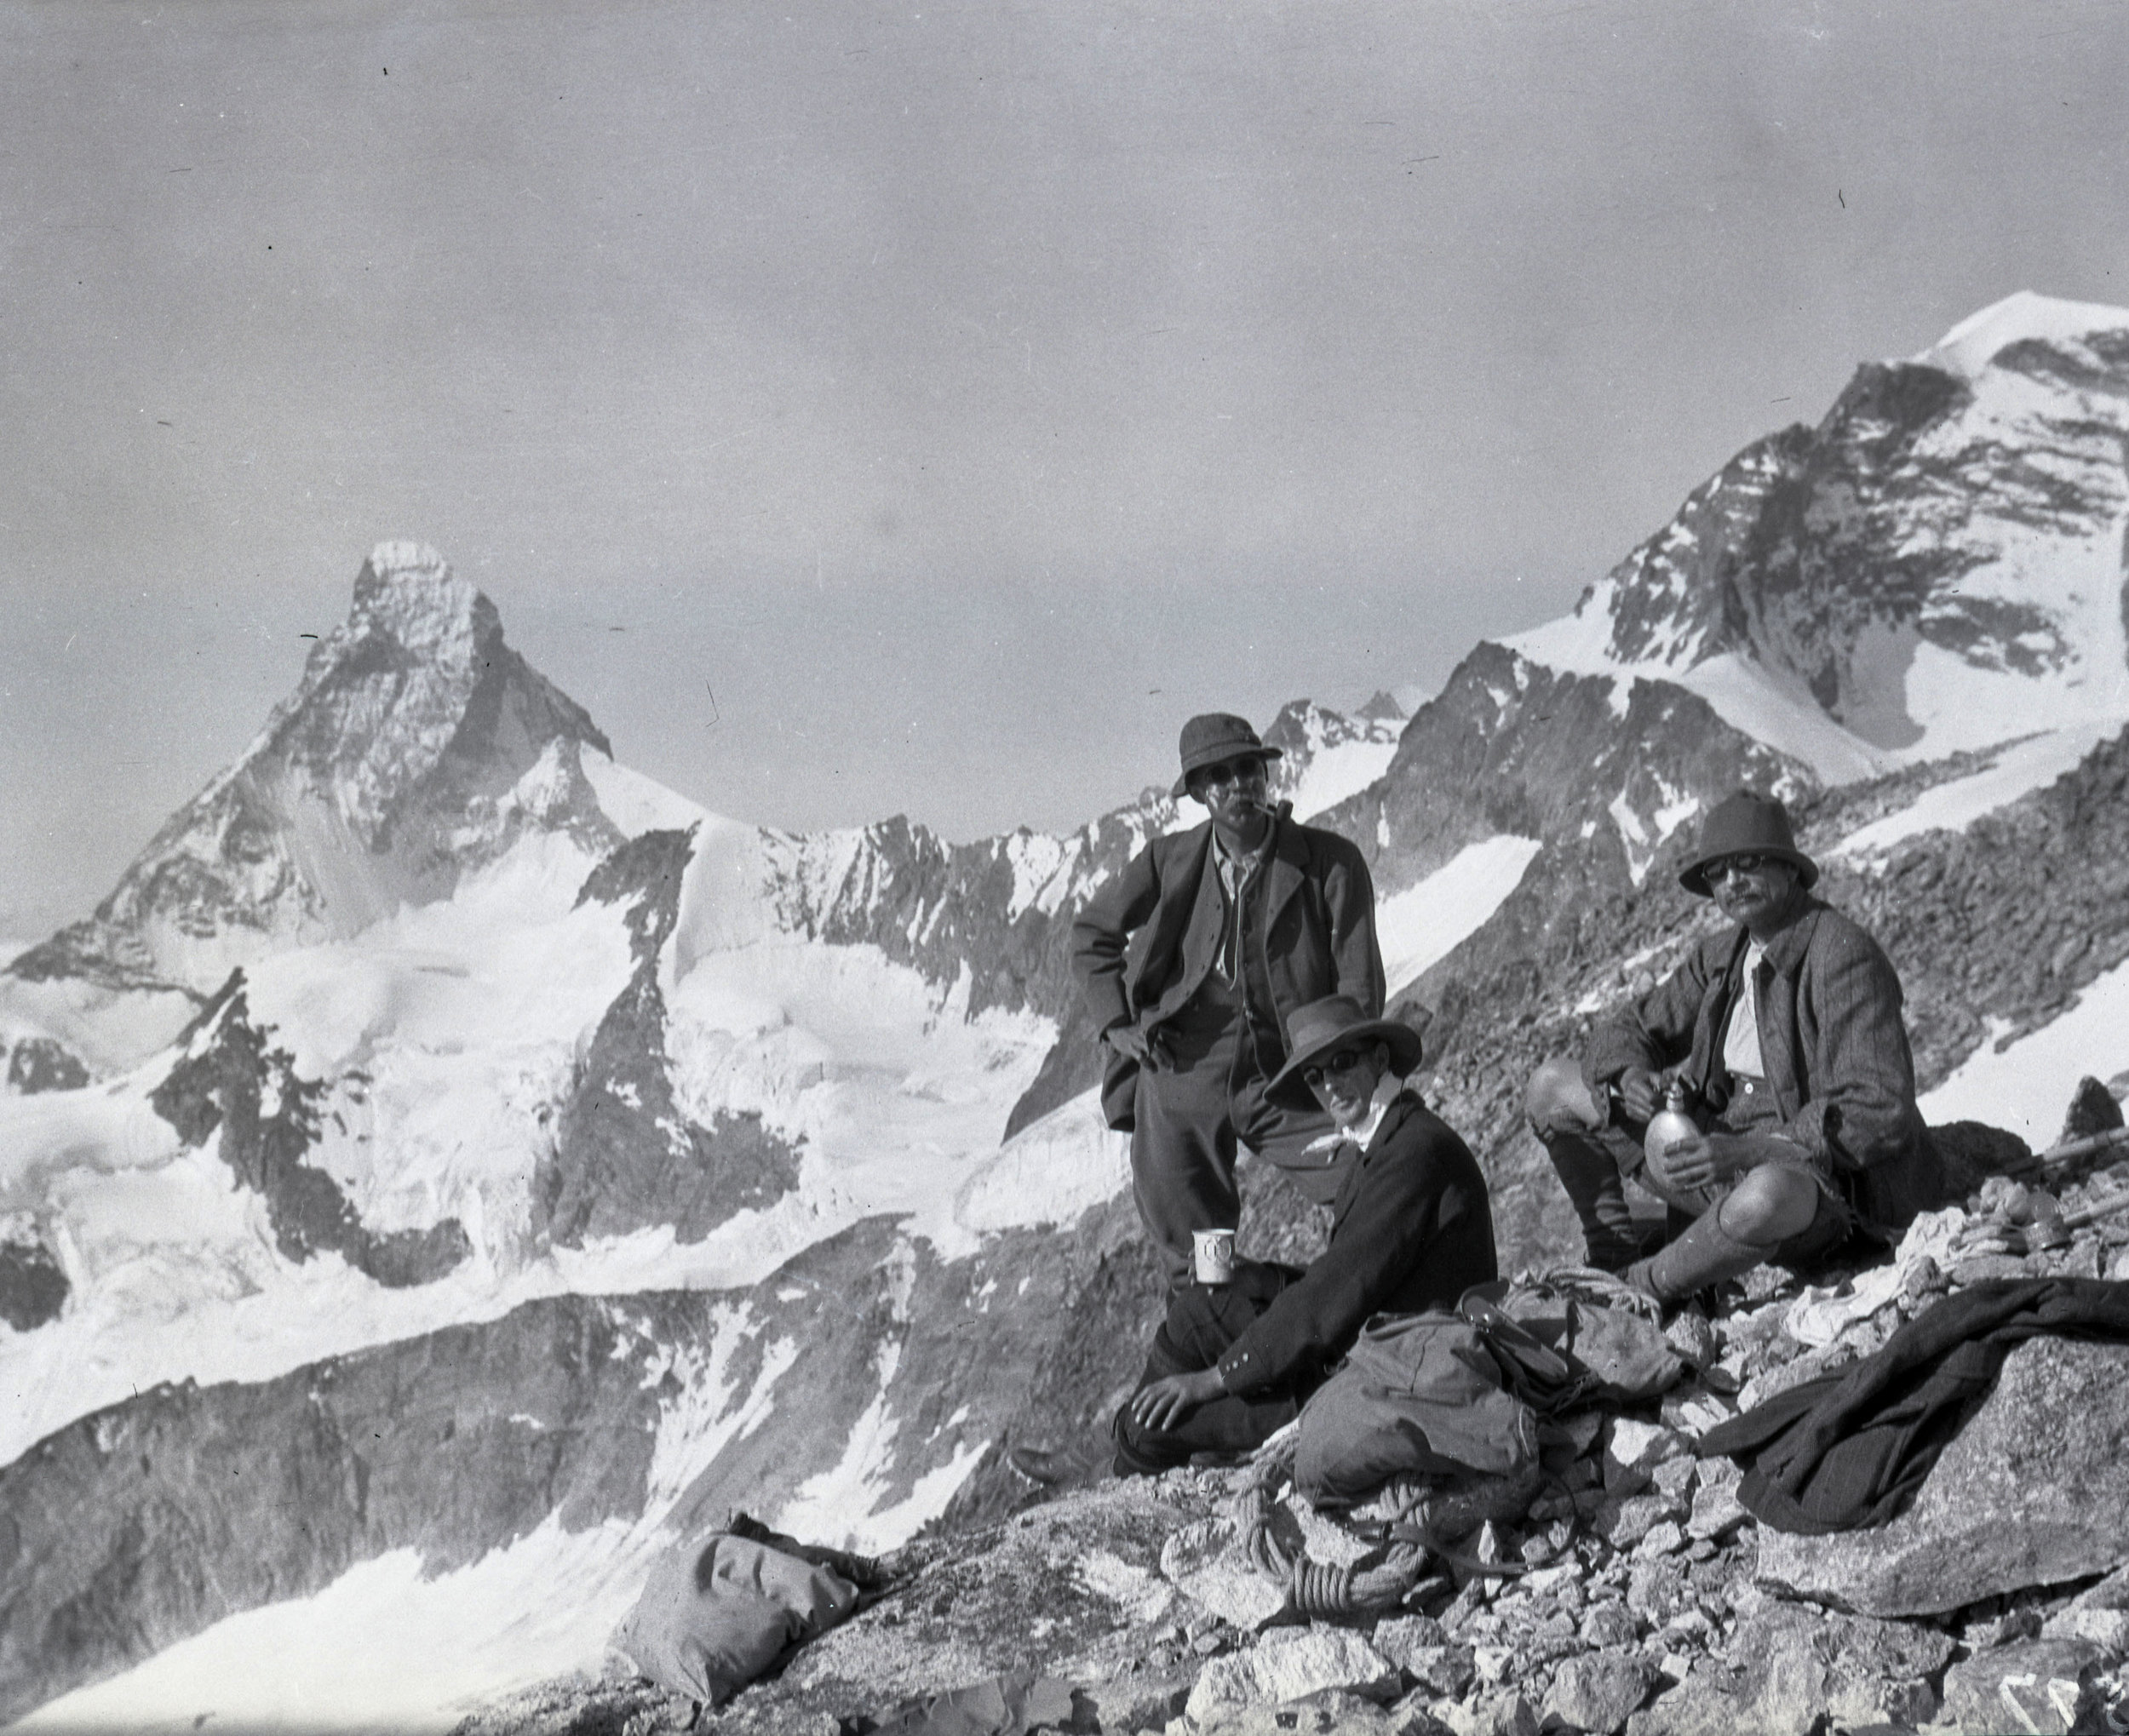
column 1746, row 824
column 1214, row 737
column 1332, row 1023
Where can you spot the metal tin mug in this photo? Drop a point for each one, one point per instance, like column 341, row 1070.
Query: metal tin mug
column 1213, row 1254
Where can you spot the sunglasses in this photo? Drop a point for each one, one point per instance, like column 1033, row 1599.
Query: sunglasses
column 1229, row 773
column 1338, row 1065
column 1747, row 864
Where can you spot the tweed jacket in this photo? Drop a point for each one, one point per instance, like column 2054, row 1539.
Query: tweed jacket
column 1412, row 1229
column 1833, row 1043
column 1144, row 944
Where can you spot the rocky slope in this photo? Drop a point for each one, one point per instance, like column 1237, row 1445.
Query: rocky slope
column 1635, row 1593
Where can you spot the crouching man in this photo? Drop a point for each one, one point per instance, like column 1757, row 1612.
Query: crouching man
column 1786, row 1034
column 1233, row 1362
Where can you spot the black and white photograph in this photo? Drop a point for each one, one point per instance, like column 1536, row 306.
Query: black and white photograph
column 1137, row 866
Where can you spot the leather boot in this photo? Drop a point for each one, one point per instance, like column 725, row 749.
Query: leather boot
column 1705, row 1254
column 1591, row 1176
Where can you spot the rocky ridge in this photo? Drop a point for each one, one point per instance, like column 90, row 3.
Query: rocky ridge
column 1635, row 1594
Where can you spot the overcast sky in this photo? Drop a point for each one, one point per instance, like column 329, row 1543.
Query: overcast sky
column 866, row 409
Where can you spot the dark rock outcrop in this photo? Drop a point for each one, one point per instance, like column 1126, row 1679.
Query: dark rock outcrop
column 44, row 1063
column 625, row 1155
column 33, row 1284
column 224, row 1080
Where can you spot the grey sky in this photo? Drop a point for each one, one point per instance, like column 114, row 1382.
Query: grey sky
column 963, row 395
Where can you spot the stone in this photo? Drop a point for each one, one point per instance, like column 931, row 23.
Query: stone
column 1610, row 1625
column 1204, row 1562
column 1440, row 1669
column 1487, row 1714
column 1657, row 1589
column 1633, row 1450
column 1663, row 1539
column 1717, row 1511
column 2107, row 1628
column 2045, row 1686
column 1636, row 1518
column 2034, row 1491
column 1139, row 1702
column 2093, row 1110
column 1290, row 1663
column 1599, row 1691
column 1675, row 1477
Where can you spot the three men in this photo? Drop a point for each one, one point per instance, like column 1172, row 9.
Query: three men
column 1786, row 1035
column 1413, row 1230
column 1193, row 960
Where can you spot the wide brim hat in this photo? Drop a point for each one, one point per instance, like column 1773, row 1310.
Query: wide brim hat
column 1336, row 1022
column 1746, row 824
column 1216, row 735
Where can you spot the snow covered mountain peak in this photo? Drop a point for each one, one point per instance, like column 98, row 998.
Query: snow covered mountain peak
column 1935, row 567
column 2022, row 317
column 416, row 746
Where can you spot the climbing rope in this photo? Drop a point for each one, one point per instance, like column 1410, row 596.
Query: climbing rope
column 1321, row 1590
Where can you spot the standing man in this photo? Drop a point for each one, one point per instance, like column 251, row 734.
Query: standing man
column 1193, row 958
column 1786, row 1034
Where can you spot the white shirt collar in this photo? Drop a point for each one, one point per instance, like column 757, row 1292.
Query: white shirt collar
column 1387, row 1090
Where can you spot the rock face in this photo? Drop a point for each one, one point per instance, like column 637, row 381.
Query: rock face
column 625, row 1155
column 386, row 775
column 2033, row 1492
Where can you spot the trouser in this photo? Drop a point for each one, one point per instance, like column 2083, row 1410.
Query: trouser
column 1191, row 1118
column 1595, row 1147
column 1203, row 1321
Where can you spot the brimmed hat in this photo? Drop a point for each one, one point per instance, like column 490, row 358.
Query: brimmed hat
column 1214, row 737
column 1336, row 1022
column 1744, row 824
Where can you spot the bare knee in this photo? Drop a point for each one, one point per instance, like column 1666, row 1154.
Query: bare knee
column 1770, row 1205
column 1557, row 1101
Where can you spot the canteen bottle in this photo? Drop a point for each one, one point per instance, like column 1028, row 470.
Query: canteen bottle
column 1670, row 1125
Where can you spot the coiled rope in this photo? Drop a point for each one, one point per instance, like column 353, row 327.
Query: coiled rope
column 1321, row 1590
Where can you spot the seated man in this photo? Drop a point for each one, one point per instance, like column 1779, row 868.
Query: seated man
column 1413, row 1230
column 1786, row 1035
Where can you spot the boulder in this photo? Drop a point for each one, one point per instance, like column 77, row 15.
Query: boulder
column 2045, row 1686
column 2093, row 1110
column 2033, row 1492
column 1600, row 1690
column 1291, row 1664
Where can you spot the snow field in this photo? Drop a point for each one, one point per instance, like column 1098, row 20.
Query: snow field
column 2026, row 1085
column 1422, row 925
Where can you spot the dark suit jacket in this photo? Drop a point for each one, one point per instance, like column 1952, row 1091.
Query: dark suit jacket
column 1830, row 1037
column 1142, row 946
column 1413, row 1230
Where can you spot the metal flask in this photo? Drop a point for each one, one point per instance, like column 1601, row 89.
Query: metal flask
column 1670, row 1126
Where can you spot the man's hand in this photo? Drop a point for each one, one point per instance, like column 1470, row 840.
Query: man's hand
column 1148, row 1051
column 1163, row 1403
column 1639, row 1094
column 1709, row 1159
column 1688, row 1164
